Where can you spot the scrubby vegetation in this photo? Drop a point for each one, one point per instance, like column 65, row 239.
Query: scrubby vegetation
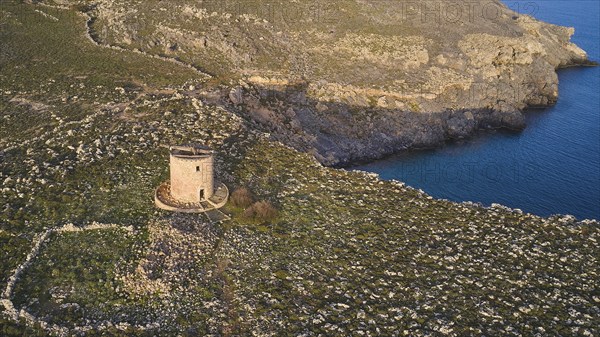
column 261, row 211
column 332, row 252
column 241, row 198
column 242, row 203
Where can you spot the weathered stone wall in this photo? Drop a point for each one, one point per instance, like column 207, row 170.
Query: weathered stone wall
column 190, row 175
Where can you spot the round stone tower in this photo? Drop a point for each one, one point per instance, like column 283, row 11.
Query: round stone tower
column 191, row 170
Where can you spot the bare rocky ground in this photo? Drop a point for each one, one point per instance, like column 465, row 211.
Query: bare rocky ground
column 349, row 254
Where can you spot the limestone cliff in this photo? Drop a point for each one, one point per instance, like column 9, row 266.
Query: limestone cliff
column 355, row 80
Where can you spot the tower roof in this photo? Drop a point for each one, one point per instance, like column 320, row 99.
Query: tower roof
column 190, row 150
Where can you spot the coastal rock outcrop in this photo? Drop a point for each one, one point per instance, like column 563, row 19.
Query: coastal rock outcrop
column 356, row 80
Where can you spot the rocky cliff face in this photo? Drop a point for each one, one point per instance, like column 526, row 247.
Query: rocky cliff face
column 356, row 80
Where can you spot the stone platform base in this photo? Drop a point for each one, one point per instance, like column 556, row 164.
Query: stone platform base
column 164, row 200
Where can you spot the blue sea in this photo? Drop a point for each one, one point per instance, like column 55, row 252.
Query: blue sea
column 552, row 167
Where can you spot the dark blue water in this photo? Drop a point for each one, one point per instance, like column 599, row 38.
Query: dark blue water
column 552, row 167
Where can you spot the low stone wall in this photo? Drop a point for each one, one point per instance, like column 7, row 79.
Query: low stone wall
column 164, row 201
column 38, row 243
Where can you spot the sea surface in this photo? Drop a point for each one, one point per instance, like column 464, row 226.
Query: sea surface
column 552, row 167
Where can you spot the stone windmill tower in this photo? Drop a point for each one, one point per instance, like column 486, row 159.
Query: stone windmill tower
column 191, row 170
column 192, row 187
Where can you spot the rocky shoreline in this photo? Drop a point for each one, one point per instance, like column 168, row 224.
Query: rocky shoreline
column 315, row 127
column 389, row 133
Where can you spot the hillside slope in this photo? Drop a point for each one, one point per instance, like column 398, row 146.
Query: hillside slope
column 356, row 80
column 85, row 252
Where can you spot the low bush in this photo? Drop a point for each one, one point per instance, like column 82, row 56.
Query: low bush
column 241, row 198
column 262, row 211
